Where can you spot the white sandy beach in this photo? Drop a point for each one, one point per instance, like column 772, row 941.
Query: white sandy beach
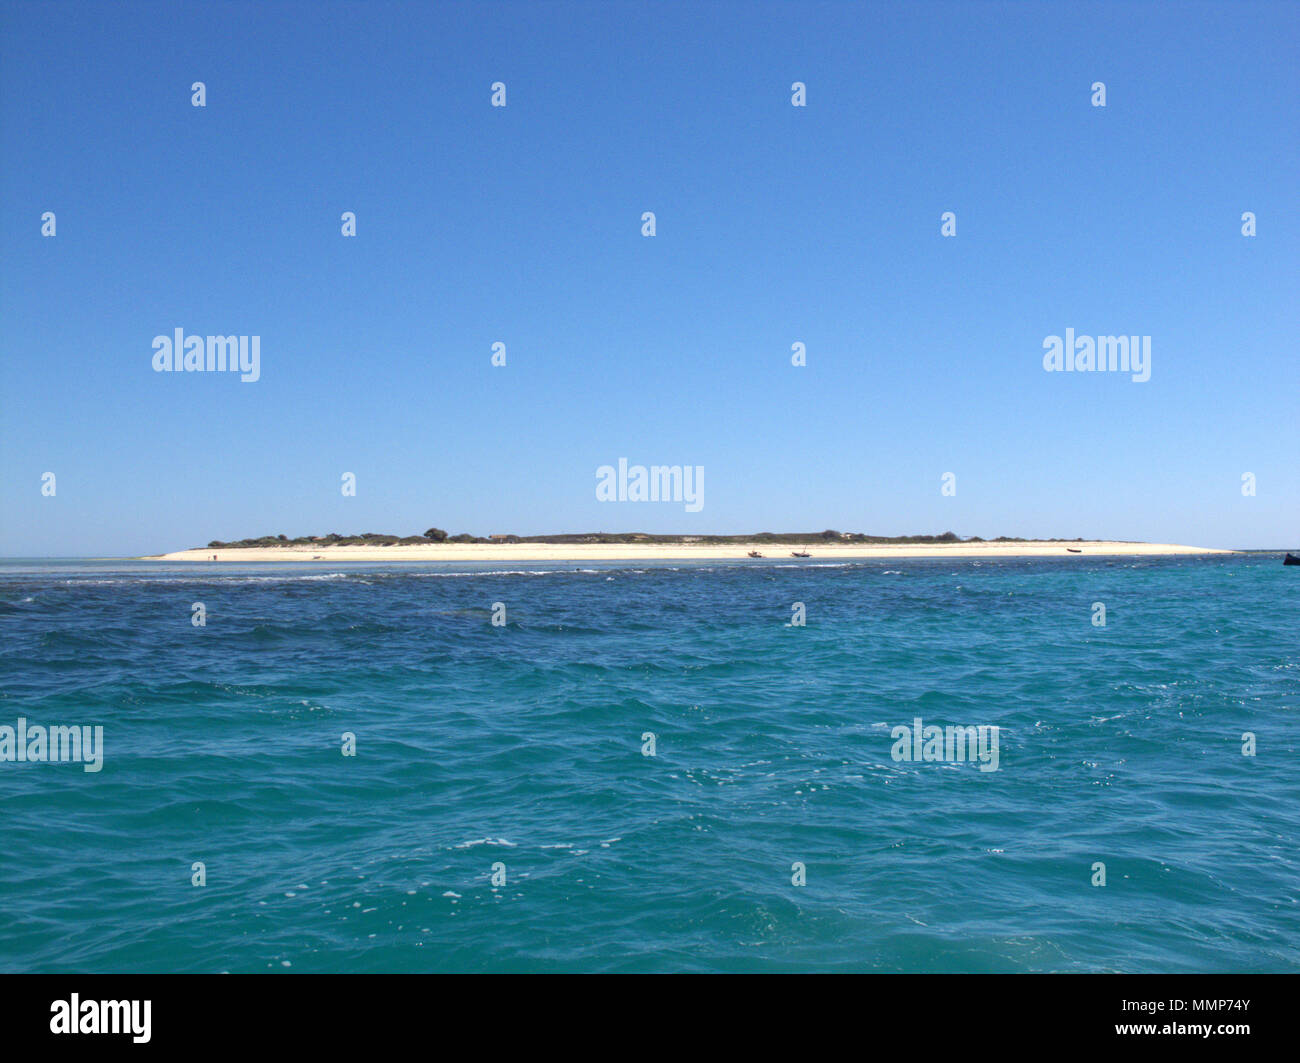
column 552, row 552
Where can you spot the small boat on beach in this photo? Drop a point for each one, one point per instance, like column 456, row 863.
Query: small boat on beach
column 796, row 553
column 1072, row 550
column 1291, row 559
column 755, row 553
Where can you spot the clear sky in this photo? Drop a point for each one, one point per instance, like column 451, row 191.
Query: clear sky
column 775, row 224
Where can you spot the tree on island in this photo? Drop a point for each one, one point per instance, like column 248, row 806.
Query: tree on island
column 436, row 534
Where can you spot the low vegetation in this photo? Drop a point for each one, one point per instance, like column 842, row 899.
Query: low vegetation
column 437, row 535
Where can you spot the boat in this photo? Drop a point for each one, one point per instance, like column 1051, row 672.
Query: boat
column 755, row 553
column 1291, row 559
column 1072, row 550
column 796, row 553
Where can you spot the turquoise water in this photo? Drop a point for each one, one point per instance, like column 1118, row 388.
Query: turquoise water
column 522, row 745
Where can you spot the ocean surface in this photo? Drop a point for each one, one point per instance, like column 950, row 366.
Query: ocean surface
column 521, row 746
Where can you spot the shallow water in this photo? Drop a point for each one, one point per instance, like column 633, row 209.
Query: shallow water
column 522, row 745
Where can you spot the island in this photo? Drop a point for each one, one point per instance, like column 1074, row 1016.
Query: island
column 436, row 545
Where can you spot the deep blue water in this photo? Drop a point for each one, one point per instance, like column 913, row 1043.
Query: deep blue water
column 522, row 745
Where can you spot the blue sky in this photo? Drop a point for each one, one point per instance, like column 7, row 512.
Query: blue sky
column 522, row 224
